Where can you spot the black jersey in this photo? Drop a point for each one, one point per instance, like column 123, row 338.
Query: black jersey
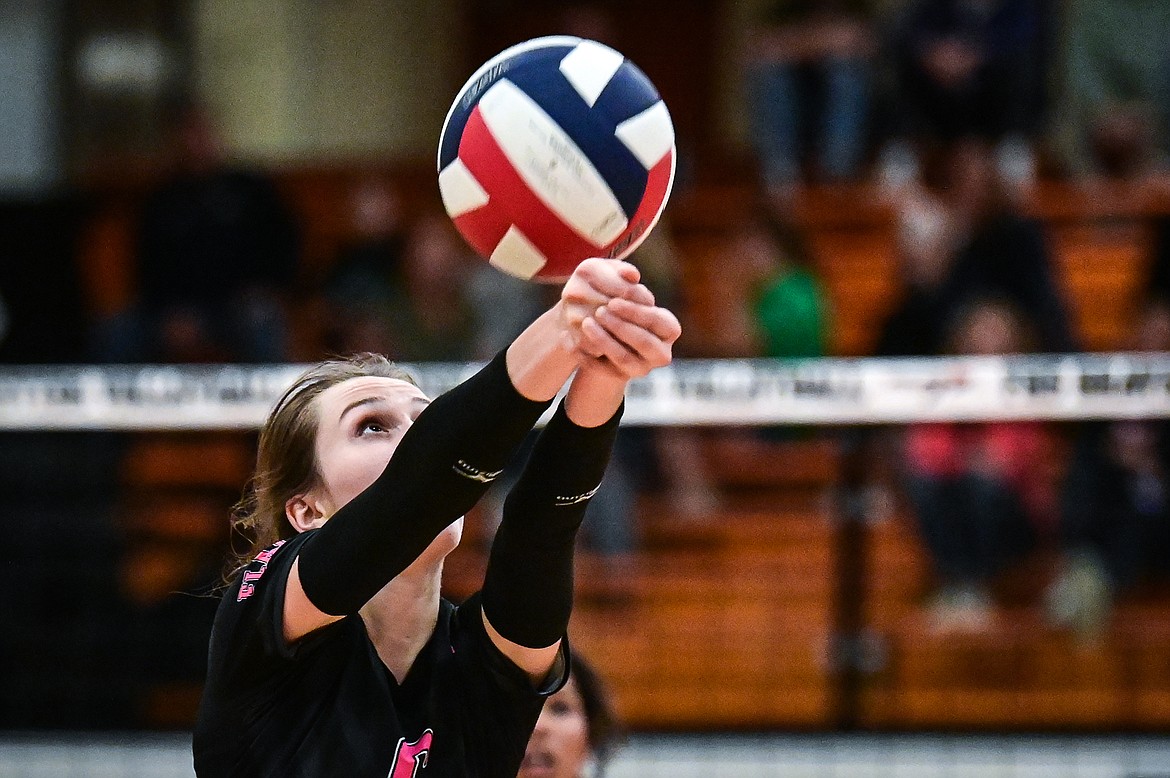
column 327, row 705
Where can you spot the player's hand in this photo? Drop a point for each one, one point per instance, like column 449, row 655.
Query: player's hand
column 615, row 323
column 555, row 346
column 593, row 284
column 629, row 338
column 611, row 322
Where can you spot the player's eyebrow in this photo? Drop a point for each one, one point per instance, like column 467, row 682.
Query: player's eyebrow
column 360, row 402
column 377, row 398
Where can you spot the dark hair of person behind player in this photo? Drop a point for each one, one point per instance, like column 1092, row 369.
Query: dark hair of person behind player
column 285, row 460
column 605, row 730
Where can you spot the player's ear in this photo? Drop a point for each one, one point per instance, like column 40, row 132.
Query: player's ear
column 304, row 512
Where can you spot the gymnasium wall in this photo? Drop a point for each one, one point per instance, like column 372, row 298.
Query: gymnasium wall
column 29, row 160
column 295, row 79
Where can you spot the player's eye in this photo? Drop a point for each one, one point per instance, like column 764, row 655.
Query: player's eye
column 373, row 425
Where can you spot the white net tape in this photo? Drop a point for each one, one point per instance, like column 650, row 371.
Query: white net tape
column 689, row 392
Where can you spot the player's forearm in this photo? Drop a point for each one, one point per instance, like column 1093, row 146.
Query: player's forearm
column 528, row 588
column 596, row 394
column 540, row 360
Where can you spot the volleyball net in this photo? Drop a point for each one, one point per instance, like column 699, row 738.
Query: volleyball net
column 687, row 393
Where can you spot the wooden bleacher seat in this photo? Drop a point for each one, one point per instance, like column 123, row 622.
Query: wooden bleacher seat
column 1020, row 674
column 727, row 632
column 1101, row 268
column 178, row 517
column 195, row 460
column 744, row 460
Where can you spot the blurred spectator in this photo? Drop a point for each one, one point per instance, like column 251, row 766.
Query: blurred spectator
column 963, row 237
column 914, row 325
column 979, row 492
column 577, row 731
column 976, row 279
column 773, row 304
column 217, row 252
column 1115, row 519
column 356, row 288
column 1157, row 286
column 1113, row 88
column 504, row 306
column 412, row 290
column 965, row 69
column 404, row 297
column 808, row 68
column 788, row 306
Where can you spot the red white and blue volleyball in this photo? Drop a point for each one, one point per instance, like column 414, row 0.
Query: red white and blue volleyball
column 556, row 150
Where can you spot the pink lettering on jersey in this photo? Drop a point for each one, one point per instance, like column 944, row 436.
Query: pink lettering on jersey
column 265, row 556
column 409, row 758
column 248, row 587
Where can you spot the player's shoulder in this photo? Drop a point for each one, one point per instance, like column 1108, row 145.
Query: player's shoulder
column 256, row 571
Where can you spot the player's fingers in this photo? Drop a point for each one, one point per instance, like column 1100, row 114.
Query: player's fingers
column 575, row 339
column 608, row 277
column 644, row 342
column 597, row 282
column 659, row 321
column 580, row 292
column 595, row 337
column 611, row 368
column 633, row 350
column 639, row 294
column 626, row 270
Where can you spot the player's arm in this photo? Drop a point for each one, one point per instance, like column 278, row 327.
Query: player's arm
column 528, row 588
column 445, row 461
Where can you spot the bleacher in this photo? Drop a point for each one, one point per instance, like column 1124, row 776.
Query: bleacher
column 725, row 622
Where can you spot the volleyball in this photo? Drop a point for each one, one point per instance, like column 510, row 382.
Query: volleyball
column 556, row 150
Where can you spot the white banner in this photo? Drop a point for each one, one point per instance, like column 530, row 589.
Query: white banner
column 689, row 392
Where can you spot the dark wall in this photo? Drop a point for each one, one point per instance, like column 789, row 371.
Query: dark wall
column 40, row 283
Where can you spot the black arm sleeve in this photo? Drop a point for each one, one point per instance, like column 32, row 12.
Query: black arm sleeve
column 528, row 587
column 442, row 466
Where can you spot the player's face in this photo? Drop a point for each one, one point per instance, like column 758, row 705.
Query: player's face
column 360, row 424
column 559, row 747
